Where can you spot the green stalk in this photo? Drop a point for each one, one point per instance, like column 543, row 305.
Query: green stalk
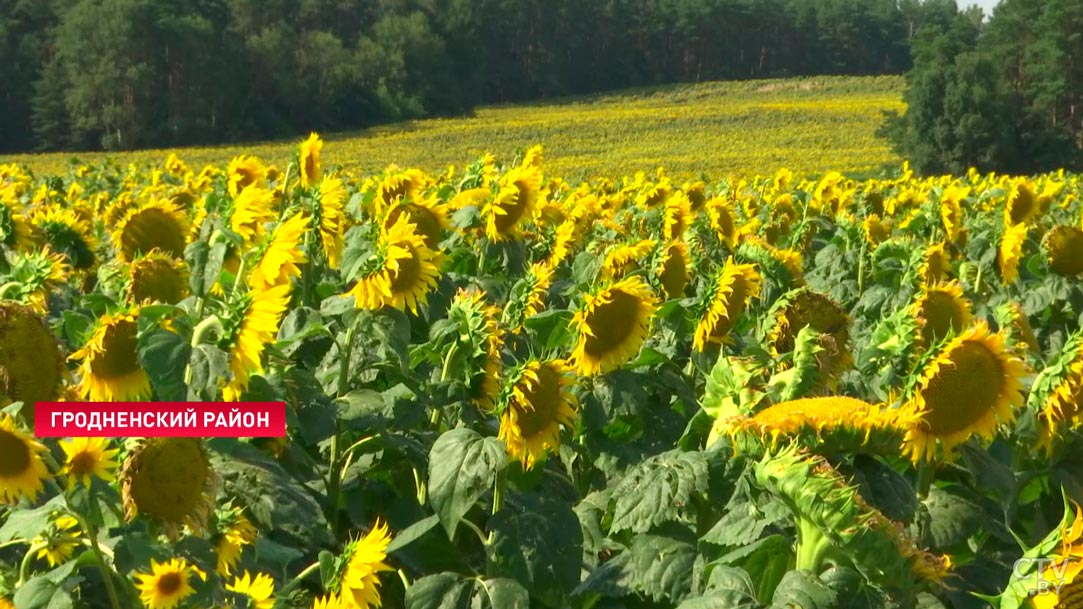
column 24, row 566
column 296, row 581
column 498, row 495
column 812, row 546
column 7, row 286
column 926, row 471
column 107, row 573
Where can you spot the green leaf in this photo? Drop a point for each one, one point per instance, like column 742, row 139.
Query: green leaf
column 658, row 490
column 801, row 588
column 209, row 364
column 164, row 355
column 656, row 566
column 853, row 590
column 462, row 466
column 440, row 591
column 204, row 264
column 412, row 533
column 27, row 524
column 500, row 593
column 952, row 519
column 327, row 568
column 765, row 561
column 39, row 593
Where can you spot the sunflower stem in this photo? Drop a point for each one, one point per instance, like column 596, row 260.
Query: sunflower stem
column 334, row 479
column 238, row 276
column 812, row 546
column 296, row 581
column 13, row 542
column 405, row 581
column 346, row 351
column 28, row 559
column 7, row 286
column 498, row 495
column 924, row 483
column 107, row 573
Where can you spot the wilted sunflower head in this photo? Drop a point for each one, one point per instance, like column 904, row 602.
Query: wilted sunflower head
column 31, row 363
column 536, row 404
column 169, row 481
column 1064, row 250
column 309, row 169
column 733, row 287
column 22, row 470
column 155, row 225
column 969, row 386
column 612, row 325
column 941, row 310
column 110, row 366
column 67, row 234
column 674, row 272
column 519, row 192
column 805, row 307
column 157, row 277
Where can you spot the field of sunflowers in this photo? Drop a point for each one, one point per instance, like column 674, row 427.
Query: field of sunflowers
column 508, row 390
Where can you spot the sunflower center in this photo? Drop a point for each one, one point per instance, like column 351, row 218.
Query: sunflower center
column 612, row 323
column 1021, row 205
column 14, row 455
column 674, row 277
column 170, row 479
column 118, row 357
column 152, row 228
column 936, row 267
column 963, row 390
column 408, row 274
column 942, row 314
column 69, row 241
column 31, row 366
column 1070, row 595
column 1066, row 251
column 427, row 225
column 513, row 210
column 169, row 583
column 157, row 280
column 544, row 403
column 83, row 464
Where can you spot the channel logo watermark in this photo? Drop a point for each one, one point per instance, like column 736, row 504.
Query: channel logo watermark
column 1043, row 575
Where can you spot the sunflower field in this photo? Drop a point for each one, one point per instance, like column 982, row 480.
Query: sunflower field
column 506, row 390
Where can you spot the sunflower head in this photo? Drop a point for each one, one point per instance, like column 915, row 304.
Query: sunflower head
column 166, row 585
column 732, row 288
column 967, row 388
column 308, row 161
column 259, row 589
column 87, row 458
column 155, row 225
column 520, row 190
column 250, row 211
column 169, row 481
column 244, row 171
column 157, row 277
column 329, row 218
column 278, row 264
column 1022, row 206
column 404, row 272
column 1012, row 320
column 722, row 221
column 15, row 230
column 428, row 216
column 935, row 264
column 677, row 215
column 1063, row 248
column 941, row 310
column 537, row 402
column 22, row 469
column 481, row 338
column 805, row 307
column 624, row 258
column 674, row 271
column 110, row 365
column 59, row 539
column 612, row 325
column 876, row 230
column 1011, row 252
column 67, row 234
column 34, row 274
column 356, row 580
column 251, row 330
column 31, row 363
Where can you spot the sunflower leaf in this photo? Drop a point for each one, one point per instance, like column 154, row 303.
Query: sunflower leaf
column 462, row 467
column 440, row 591
column 658, row 490
column 801, row 588
column 656, row 566
column 164, row 355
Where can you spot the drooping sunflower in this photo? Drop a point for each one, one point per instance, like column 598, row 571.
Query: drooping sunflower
column 966, row 389
column 428, row 216
column 951, row 211
column 234, row 532
column 279, row 261
column 935, row 265
column 538, row 402
column 31, row 364
column 1022, row 206
column 309, row 169
column 171, row 482
column 407, row 270
column 250, row 210
column 677, row 216
column 624, row 258
column 539, row 277
column 941, row 310
column 22, row 470
column 157, row 277
column 166, row 585
column 244, row 171
column 1057, row 392
column 805, row 307
column 330, row 219
column 359, row 582
column 34, row 274
column 519, row 192
column 85, row 458
column 263, row 310
column 259, row 589
column 1063, row 247
column 1011, row 252
column 674, row 273
column 67, row 234
column 110, row 365
column 59, row 540
column 156, row 225
column 733, row 287
column 612, row 325
column 1012, row 319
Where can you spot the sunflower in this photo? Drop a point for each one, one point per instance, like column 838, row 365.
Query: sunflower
column 408, row 271
column 60, row 539
column 733, row 287
column 519, row 192
column 330, row 219
column 31, row 364
column 35, row 274
column 244, row 171
column 951, row 211
column 110, row 366
column 935, row 265
column 308, row 161
column 278, row 265
column 166, row 585
column 481, row 339
column 623, row 259
column 538, row 403
column 85, row 458
column 1013, row 320
column 400, row 187
column 67, row 234
column 876, row 230
column 564, row 239
column 677, row 216
column 674, row 270
column 804, row 307
column 428, row 216
column 970, row 385
column 258, row 327
column 330, row 601
column 259, row 589
column 154, row 225
column 1022, row 206
column 157, row 277
column 722, row 222
column 250, row 211
column 1011, row 252
column 1064, row 250
column 612, row 325
column 22, row 470
column 539, row 277
column 359, row 581
column 653, row 195
column 171, row 482
column 697, row 195
column 941, row 310
column 15, row 231
column 235, row 532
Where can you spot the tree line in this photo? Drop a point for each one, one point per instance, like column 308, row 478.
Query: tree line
column 118, row 74
column 1002, row 95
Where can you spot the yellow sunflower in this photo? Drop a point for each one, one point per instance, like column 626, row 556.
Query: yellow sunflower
column 652, row 195
column 278, row 265
column 171, row 482
column 308, row 160
column 31, row 364
column 941, row 310
column 15, row 231
column 401, row 187
column 235, row 532
column 951, row 211
column 330, row 218
column 520, row 190
column 428, row 216
column 677, row 216
column 166, row 585
column 359, row 583
column 156, row 225
column 539, row 402
column 85, row 458
column 935, row 265
column 1013, row 319
column 734, row 286
column 253, row 208
column 625, row 258
column 1011, row 252
column 67, row 234
column 876, row 230
column 22, row 470
column 244, row 171
column 966, row 389
column 674, row 273
column 258, row 328
column 612, row 325
column 1022, row 206
column 33, row 275
column 408, row 271
column 110, row 366
column 157, row 277
column 59, row 541
column 1064, row 250
column 259, row 589
column 540, row 276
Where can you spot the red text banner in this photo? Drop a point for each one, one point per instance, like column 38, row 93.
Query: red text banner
column 160, row 419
